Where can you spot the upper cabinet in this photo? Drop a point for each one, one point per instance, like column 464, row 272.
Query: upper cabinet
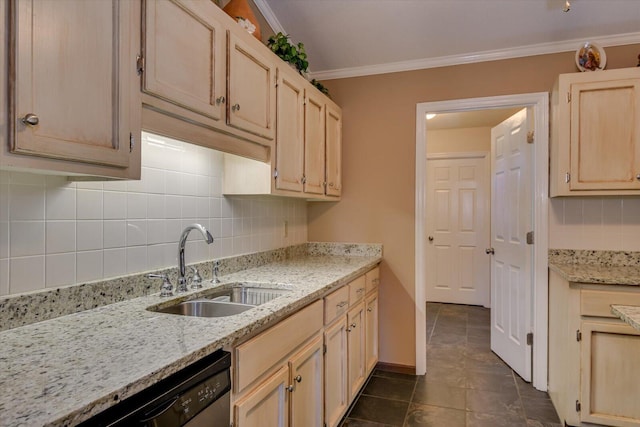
column 307, row 160
column 72, row 88
column 252, row 92
column 184, row 51
column 595, row 134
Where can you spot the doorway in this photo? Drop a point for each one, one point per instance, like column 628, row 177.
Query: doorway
column 539, row 169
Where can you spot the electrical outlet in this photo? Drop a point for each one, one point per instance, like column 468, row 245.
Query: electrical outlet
column 286, row 228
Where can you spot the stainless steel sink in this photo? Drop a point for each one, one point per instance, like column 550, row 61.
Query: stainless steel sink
column 206, row 308
column 226, row 300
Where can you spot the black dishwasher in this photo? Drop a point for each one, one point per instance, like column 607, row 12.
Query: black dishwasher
column 196, row 396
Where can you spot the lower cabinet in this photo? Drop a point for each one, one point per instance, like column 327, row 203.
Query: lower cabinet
column 593, row 356
column 301, row 374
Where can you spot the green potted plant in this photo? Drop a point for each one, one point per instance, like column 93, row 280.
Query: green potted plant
column 289, row 52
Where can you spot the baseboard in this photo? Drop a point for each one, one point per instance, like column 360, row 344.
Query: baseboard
column 397, row 368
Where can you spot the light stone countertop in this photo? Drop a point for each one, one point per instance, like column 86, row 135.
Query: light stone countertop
column 64, row 370
column 600, row 274
column 628, row 313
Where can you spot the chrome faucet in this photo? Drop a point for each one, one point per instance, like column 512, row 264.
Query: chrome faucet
column 182, row 280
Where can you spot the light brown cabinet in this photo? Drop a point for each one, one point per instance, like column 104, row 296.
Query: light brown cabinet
column 334, row 150
column 184, row 53
column 593, row 356
column 73, row 95
column 356, row 349
column 336, row 396
column 595, row 133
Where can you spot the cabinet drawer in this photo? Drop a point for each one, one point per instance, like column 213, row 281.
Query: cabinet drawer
column 259, row 354
column 372, row 279
column 598, row 303
column 336, row 304
column 357, row 289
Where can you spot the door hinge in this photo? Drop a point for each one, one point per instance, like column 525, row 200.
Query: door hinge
column 578, row 406
column 567, row 177
column 568, row 96
column 578, row 335
column 324, row 349
column 530, row 238
column 275, row 174
column 530, row 338
column 132, row 142
column 530, row 137
column 139, row 64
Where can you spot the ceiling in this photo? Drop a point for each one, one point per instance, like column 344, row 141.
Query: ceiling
column 345, row 38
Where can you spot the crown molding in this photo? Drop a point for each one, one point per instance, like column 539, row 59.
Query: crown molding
column 490, row 55
column 269, row 16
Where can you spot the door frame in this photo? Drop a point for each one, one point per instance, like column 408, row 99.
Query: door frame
column 485, row 156
column 540, row 103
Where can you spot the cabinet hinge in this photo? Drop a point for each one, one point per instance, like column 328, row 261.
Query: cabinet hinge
column 568, row 96
column 324, row 350
column 275, row 174
column 578, row 335
column 530, row 137
column 132, row 142
column 578, row 406
column 567, row 177
column 530, row 238
column 140, row 64
column 530, row 338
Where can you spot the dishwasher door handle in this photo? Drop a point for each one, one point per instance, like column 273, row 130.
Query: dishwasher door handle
column 154, row 413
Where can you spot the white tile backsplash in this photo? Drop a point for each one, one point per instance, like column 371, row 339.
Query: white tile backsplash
column 98, row 230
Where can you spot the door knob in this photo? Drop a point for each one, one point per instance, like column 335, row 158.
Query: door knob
column 431, row 238
column 30, row 119
column 490, row 251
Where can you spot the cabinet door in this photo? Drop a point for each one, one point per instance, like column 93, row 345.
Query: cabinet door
column 336, row 394
column 290, row 131
column 356, row 349
column 251, row 104
column 314, row 140
column 371, row 327
column 605, row 135
column 334, row 147
column 71, row 78
column 610, row 373
column 267, row 405
column 185, row 54
column 306, row 378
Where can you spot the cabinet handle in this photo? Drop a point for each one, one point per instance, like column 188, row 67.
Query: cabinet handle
column 298, row 379
column 236, row 107
column 431, row 238
column 220, row 100
column 341, row 304
column 353, row 326
column 30, row 119
column 369, row 309
column 638, row 177
column 289, row 388
column 304, row 179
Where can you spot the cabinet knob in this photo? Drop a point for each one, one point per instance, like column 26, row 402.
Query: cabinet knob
column 30, row 119
column 369, row 309
column 638, row 177
column 353, row 326
column 220, row 100
column 490, row 251
column 289, row 388
column 431, row 238
column 235, row 107
column 298, row 379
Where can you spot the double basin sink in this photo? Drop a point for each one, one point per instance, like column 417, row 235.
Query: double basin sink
column 226, row 300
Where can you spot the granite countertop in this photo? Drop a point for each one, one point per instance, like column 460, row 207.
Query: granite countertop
column 628, row 313
column 600, row 274
column 64, row 370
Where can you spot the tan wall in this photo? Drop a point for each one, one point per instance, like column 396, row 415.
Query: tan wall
column 379, row 165
column 458, row 140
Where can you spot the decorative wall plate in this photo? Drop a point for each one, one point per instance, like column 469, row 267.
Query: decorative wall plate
column 590, row 57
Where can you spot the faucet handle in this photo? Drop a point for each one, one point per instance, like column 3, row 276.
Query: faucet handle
column 196, row 279
column 167, row 288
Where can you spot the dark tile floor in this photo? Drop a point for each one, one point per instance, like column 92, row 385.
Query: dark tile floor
column 465, row 385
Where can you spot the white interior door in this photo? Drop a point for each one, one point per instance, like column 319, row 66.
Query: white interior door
column 511, row 219
column 458, row 229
